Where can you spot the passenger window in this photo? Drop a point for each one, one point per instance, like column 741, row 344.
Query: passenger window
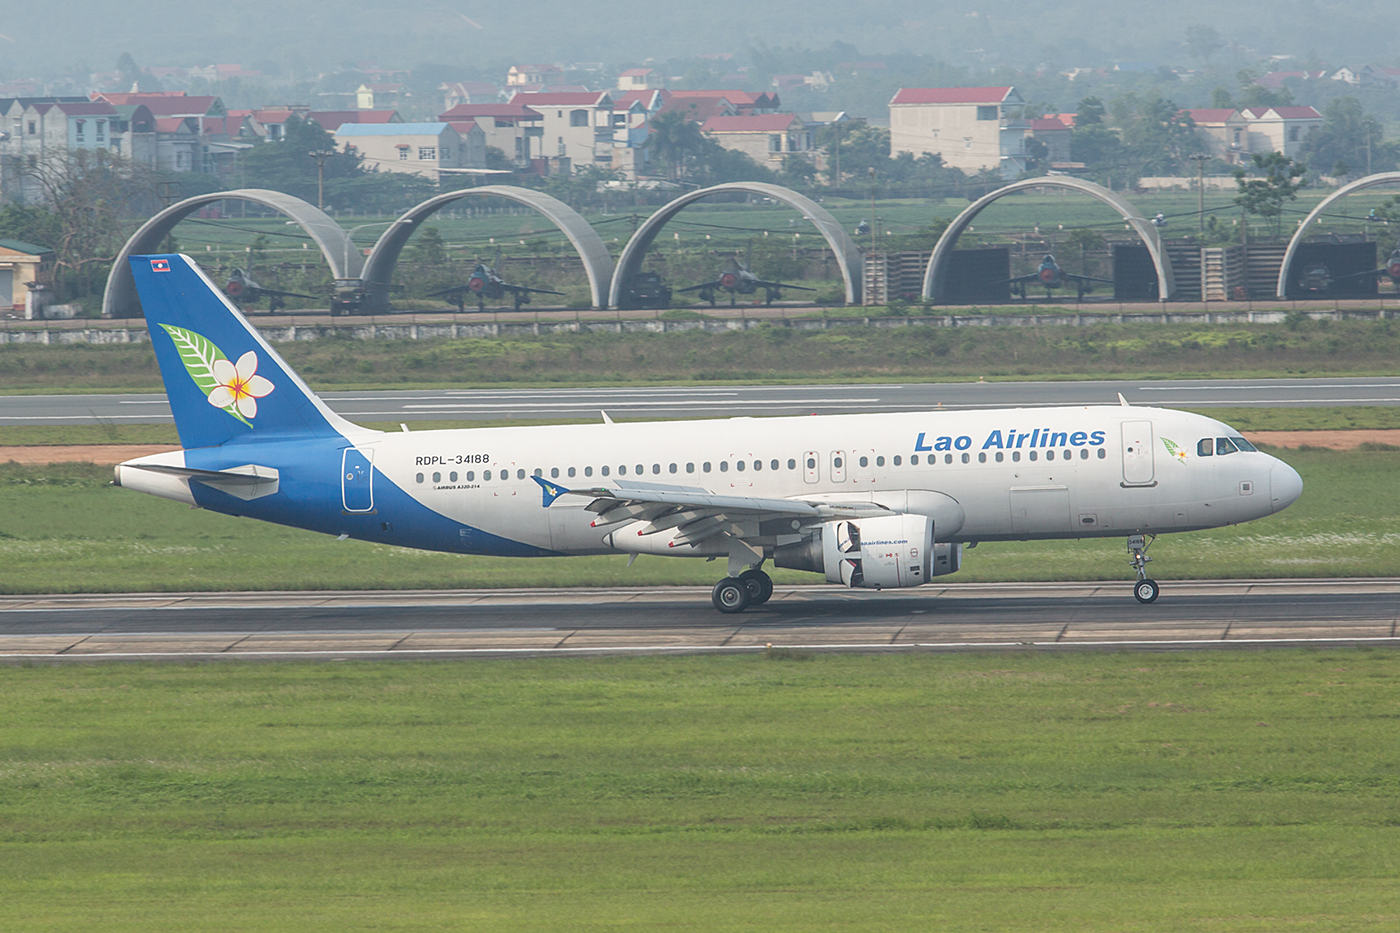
column 966, row 458
column 690, row 468
column 621, row 471
column 1084, row 454
column 604, row 471
column 539, row 472
column 792, row 464
column 1033, row 454
column 811, row 463
column 705, row 467
column 724, row 466
column 1015, row 456
column 1205, row 447
column 520, row 474
column 1000, row 456
column 656, row 468
column 437, row 477
column 914, row 460
column 1102, row 453
column 738, row 465
column 588, row 471
column 1049, row 455
column 418, row 478
column 879, row 461
column 758, row 464
column 982, row 458
column 774, row 465
column 897, row 460
column 572, row 472
column 553, row 472
column 672, row 468
column 947, row 458
column 836, row 463
column 640, row 469
column 471, row 475
column 1067, row 454
column 452, row 477
column 865, row 461
column 505, row 475
column 1224, row 446
column 485, row 474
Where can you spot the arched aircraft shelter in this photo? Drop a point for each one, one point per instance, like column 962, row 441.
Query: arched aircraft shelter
column 379, row 267
column 1370, row 181
column 847, row 255
column 120, row 298
column 936, row 272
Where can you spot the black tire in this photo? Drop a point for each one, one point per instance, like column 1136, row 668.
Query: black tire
column 760, row 586
column 1146, row 591
column 730, row 596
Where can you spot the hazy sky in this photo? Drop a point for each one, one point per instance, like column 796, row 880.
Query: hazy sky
column 311, row 36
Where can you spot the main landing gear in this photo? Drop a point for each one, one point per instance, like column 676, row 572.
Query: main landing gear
column 735, row 594
column 1144, row 590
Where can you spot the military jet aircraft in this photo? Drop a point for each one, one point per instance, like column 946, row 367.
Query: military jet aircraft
column 243, row 291
column 1052, row 275
column 738, row 280
column 486, row 282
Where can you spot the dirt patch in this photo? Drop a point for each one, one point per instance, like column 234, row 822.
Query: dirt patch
column 1333, row 440
column 103, row 454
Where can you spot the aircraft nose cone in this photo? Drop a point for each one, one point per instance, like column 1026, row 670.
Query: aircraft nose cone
column 1285, row 486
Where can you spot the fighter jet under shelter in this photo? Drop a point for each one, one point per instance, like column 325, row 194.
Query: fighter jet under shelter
column 485, row 282
column 1052, row 275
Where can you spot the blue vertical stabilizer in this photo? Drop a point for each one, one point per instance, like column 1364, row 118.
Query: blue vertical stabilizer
column 223, row 379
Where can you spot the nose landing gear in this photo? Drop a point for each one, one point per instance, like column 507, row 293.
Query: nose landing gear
column 1144, row 590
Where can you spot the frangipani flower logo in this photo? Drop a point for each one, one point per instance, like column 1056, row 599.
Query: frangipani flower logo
column 1175, row 450
column 231, row 387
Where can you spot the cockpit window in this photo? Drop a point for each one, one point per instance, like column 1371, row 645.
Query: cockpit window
column 1244, row 445
column 1223, row 446
column 1205, row 447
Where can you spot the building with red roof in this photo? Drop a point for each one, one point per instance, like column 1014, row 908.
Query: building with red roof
column 743, row 101
column 1280, row 129
column 972, row 128
column 640, row 79
column 577, row 126
column 510, row 127
column 767, row 138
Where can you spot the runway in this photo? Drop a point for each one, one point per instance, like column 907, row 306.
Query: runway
column 671, row 620
column 668, row 402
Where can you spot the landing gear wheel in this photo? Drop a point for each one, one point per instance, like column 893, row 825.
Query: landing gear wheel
column 731, row 596
column 1146, row 591
column 760, row 586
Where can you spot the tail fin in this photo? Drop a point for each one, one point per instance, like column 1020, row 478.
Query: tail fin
column 223, row 379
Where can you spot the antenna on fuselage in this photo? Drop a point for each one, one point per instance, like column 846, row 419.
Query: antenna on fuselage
column 1122, row 401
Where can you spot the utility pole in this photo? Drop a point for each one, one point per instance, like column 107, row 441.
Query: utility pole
column 836, row 179
column 873, row 223
column 321, row 155
column 1201, row 159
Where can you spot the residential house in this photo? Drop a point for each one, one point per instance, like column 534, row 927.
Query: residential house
column 171, row 109
column 379, row 96
column 426, row 149
column 473, row 145
column 972, row 128
column 767, row 138
column 1054, row 133
column 24, row 268
column 577, row 126
column 1280, row 129
column 32, row 127
column 1225, row 132
column 1274, row 80
column 699, row 109
column 640, row 79
column 816, row 80
column 468, row 92
column 507, row 127
column 744, row 102
column 523, row 76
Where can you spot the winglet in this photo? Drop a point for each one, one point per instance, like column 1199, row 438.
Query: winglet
column 1122, row 401
column 551, row 491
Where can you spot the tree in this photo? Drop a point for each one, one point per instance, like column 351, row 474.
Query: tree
column 284, row 165
column 1350, row 137
column 1203, row 41
column 1265, row 197
column 676, row 142
column 1091, row 112
column 88, row 194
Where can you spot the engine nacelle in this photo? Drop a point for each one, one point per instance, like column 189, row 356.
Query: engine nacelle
column 875, row 553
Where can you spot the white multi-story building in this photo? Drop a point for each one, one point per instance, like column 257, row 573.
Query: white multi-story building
column 577, row 125
column 1281, row 129
column 414, row 148
column 972, row 128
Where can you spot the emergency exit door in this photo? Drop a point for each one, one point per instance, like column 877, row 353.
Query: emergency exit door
column 357, row 479
column 1137, row 453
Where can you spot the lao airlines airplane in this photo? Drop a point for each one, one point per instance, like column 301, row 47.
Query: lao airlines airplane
column 873, row 501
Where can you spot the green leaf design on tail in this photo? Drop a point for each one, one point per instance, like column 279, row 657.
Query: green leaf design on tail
column 199, row 355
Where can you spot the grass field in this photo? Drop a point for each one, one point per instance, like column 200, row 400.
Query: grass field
column 1087, row 792
column 64, row 529
column 767, row 354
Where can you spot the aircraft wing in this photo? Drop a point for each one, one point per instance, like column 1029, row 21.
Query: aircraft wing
column 1033, row 277
column 1383, row 270
column 450, row 291
column 277, row 294
column 691, row 288
column 802, row 288
column 697, row 514
column 1076, row 277
column 526, row 289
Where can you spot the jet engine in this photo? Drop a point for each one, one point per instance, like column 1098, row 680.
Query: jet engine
column 874, row 553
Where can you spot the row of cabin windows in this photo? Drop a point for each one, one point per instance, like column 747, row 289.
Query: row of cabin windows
column 741, row 466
